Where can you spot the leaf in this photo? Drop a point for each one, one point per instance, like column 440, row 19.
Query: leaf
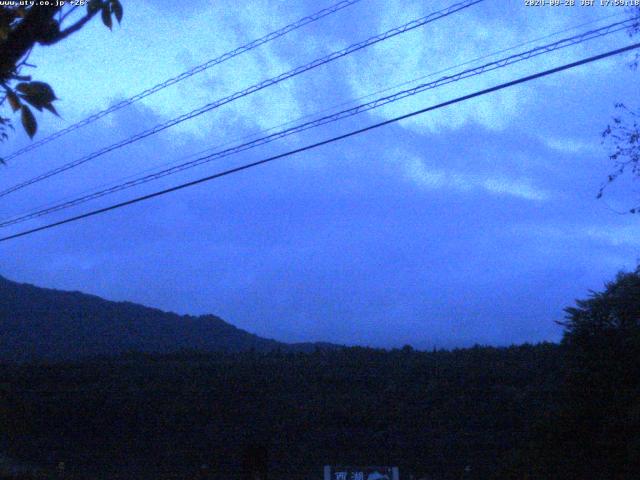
column 28, row 121
column 45, row 90
column 106, row 16
column 52, row 109
column 41, row 90
column 14, row 101
column 37, row 94
column 116, row 8
column 6, row 17
column 93, row 6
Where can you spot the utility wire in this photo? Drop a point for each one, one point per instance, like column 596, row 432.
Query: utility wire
column 248, row 91
column 369, row 95
column 377, row 92
column 404, row 83
column 497, row 64
column 310, row 115
column 314, row 114
column 189, row 73
column 330, row 140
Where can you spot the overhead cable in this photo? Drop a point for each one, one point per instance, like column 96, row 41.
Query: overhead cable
column 248, row 91
column 471, row 72
column 328, row 141
column 184, row 75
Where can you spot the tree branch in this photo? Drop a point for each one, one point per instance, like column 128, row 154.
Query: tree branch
column 64, row 16
column 71, row 29
column 36, row 25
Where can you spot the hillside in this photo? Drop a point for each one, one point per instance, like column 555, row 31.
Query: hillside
column 45, row 324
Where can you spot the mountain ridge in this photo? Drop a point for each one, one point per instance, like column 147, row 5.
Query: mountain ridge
column 47, row 324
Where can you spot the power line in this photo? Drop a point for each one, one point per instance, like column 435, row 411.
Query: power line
column 349, row 102
column 309, row 115
column 501, row 63
column 248, row 91
column 189, row 73
column 391, row 87
column 329, row 141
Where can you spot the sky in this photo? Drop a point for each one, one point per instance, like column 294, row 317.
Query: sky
column 477, row 223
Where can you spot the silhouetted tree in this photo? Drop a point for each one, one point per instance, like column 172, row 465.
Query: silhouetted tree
column 22, row 27
column 599, row 426
column 623, row 133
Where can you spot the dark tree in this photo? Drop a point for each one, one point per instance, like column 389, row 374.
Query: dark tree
column 21, row 29
column 600, row 422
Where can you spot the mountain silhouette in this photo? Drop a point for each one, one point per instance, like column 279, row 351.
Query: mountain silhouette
column 45, row 324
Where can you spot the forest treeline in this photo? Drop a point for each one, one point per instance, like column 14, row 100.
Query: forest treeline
column 145, row 416
column 569, row 411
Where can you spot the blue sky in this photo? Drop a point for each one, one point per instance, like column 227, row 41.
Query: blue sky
column 477, row 223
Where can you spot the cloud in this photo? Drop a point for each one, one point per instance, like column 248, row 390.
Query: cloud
column 617, row 244
column 453, row 181
column 433, row 231
column 571, row 145
column 475, row 34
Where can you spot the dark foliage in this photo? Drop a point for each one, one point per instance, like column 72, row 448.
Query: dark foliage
column 623, row 138
column 603, row 379
column 529, row 412
column 622, row 135
column 596, row 431
column 24, row 25
column 148, row 416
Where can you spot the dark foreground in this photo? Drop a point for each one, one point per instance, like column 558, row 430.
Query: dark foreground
column 470, row 413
